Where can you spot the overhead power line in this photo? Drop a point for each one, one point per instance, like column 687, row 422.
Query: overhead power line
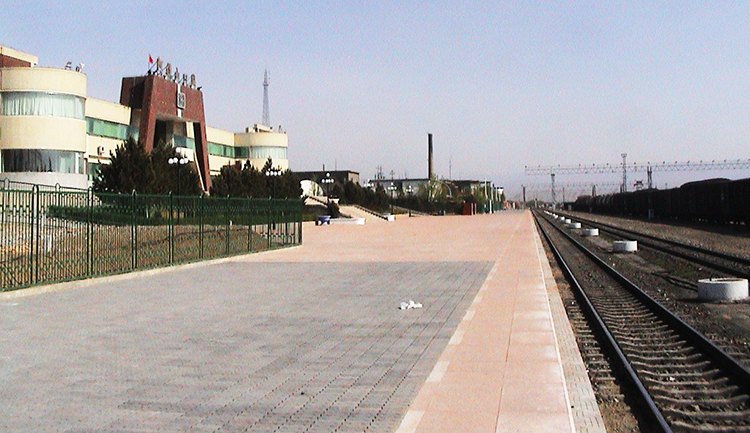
column 626, row 167
column 635, row 167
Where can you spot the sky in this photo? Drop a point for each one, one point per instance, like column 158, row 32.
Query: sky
column 500, row 85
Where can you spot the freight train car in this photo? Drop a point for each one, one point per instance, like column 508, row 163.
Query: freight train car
column 711, row 200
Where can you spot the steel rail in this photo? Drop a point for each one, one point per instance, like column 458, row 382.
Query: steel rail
column 716, row 254
column 724, row 359
column 655, row 413
column 720, row 358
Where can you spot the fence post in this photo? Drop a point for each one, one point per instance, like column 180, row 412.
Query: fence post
column 90, row 233
column 35, row 233
column 300, row 209
column 268, row 223
column 133, row 232
column 200, row 225
column 226, row 225
column 249, row 216
column 171, row 228
column 58, row 194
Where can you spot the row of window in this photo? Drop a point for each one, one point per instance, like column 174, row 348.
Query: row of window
column 42, row 104
column 265, row 152
column 65, row 161
column 104, row 128
column 255, row 152
column 221, row 150
column 42, row 160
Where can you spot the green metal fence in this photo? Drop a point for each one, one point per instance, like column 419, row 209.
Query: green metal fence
column 57, row 235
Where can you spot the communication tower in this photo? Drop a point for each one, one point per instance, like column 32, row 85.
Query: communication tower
column 266, row 110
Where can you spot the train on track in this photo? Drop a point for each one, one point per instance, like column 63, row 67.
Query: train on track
column 721, row 201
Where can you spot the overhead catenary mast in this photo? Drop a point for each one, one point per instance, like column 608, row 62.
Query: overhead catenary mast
column 266, row 110
column 626, row 167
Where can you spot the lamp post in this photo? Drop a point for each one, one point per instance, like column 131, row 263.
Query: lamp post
column 391, row 189
column 178, row 161
column 272, row 174
column 327, row 182
column 409, row 190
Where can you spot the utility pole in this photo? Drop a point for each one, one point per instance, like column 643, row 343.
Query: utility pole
column 554, row 202
column 624, row 187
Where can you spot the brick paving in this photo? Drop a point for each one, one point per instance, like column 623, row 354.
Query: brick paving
column 304, row 339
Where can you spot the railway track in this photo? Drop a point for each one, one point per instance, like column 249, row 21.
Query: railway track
column 725, row 263
column 681, row 380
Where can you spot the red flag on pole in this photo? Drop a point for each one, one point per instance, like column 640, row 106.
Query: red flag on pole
column 150, row 60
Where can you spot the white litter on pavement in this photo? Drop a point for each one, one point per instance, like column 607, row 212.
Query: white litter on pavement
column 409, row 305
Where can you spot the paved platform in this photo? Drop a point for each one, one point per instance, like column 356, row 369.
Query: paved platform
column 307, row 339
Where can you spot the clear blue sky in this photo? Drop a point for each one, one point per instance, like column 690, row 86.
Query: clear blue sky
column 499, row 84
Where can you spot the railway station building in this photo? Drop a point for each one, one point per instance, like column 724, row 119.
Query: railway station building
column 52, row 133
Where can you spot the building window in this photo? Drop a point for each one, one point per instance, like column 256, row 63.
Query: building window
column 265, row 152
column 40, row 160
column 182, row 141
column 217, row 149
column 42, row 104
column 103, row 128
column 241, row 152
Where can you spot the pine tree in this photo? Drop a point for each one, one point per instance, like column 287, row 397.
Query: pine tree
column 132, row 168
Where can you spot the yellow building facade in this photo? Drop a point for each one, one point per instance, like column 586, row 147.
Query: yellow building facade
column 52, row 133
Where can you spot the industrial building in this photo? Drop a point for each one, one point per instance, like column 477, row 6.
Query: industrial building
column 53, row 133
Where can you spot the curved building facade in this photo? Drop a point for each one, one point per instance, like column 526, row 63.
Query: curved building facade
column 43, row 125
column 261, row 143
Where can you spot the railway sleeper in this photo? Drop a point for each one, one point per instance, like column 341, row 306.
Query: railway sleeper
column 650, row 323
column 589, row 345
column 651, row 340
column 685, row 428
column 659, row 358
column 595, row 357
column 602, row 376
column 640, row 339
column 672, row 345
column 630, row 326
column 599, row 368
column 713, row 420
column 671, row 367
column 590, row 350
column 627, row 307
column 579, row 321
column 671, row 381
column 633, row 326
column 682, row 374
column 702, row 392
column 622, row 311
column 600, row 372
column 661, row 338
column 636, row 343
column 615, row 303
column 705, row 405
